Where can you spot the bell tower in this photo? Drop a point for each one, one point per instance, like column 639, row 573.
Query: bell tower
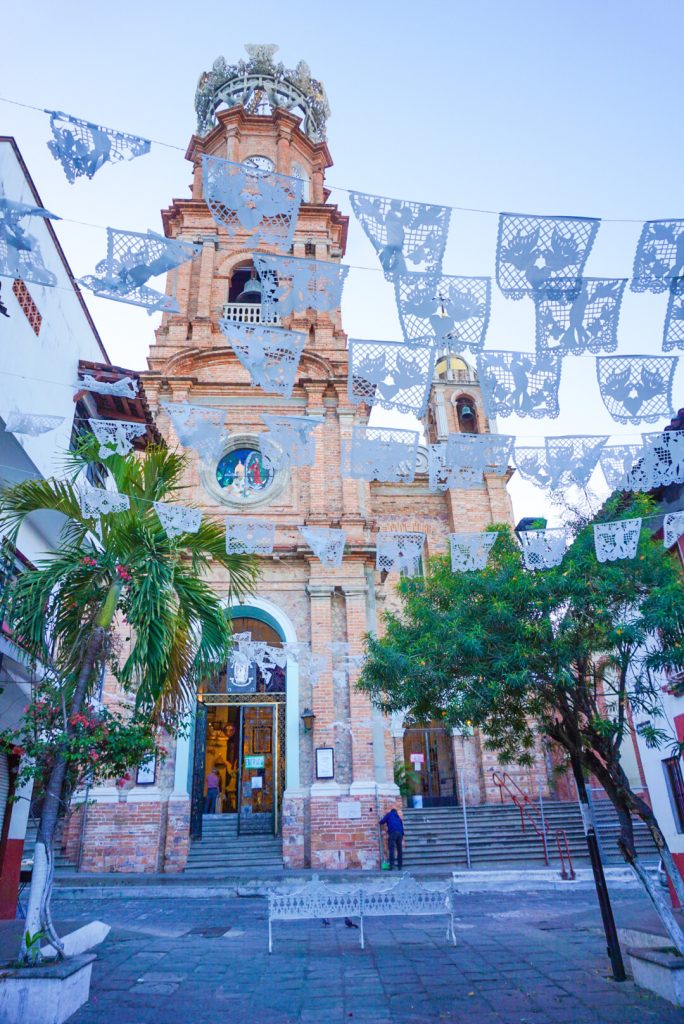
column 260, row 114
column 456, row 407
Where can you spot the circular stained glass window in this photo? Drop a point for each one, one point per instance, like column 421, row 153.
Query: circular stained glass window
column 244, row 471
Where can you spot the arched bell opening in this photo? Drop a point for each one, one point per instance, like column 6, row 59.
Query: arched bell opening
column 466, row 415
column 245, row 285
column 245, row 299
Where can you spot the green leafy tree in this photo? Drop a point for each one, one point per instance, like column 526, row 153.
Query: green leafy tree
column 574, row 653
column 123, row 573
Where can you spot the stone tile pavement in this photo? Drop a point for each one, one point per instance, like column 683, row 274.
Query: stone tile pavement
column 521, row 958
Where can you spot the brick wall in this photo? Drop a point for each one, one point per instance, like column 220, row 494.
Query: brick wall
column 122, row 837
column 342, row 843
column 295, row 831
column 177, row 843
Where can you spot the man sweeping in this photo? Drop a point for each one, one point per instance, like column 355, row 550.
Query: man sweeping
column 395, row 836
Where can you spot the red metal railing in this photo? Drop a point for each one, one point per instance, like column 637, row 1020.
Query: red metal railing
column 529, row 810
column 562, row 841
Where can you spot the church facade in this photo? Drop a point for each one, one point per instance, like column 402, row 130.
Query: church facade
column 302, row 755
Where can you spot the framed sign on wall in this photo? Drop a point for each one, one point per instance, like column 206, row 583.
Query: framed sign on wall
column 325, row 763
column 147, row 772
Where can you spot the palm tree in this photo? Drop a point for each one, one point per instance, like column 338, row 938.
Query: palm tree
column 124, row 570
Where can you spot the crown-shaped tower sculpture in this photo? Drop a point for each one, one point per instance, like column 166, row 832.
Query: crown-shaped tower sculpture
column 260, row 86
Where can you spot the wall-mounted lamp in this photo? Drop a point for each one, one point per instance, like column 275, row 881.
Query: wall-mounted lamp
column 531, row 523
column 307, row 717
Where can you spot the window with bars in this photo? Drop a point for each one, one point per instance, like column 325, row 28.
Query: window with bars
column 672, row 766
column 28, row 306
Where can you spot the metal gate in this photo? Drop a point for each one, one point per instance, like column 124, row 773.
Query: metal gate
column 198, row 759
column 428, row 750
column 257, row 771
column 261, row 762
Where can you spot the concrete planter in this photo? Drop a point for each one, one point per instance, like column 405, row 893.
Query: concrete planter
column 48, row 994
column 660, row 971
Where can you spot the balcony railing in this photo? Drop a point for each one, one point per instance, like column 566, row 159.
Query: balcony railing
column 458, row 376
column 247, row 313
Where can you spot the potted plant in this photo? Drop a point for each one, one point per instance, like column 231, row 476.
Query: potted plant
column 407, row 781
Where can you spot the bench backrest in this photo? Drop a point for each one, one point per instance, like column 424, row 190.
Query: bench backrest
column 406, row 897
column 320, row 899
column 315, row 900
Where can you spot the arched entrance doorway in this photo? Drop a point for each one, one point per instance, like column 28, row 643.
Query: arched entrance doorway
column 240, row 735
column 428, row 750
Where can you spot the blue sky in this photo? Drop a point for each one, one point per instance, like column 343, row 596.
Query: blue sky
column 523, row 105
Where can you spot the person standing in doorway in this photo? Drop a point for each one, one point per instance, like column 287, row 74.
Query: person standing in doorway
column 395, row 836
column 213, row 785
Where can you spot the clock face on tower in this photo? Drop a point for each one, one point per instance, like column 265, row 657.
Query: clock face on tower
column 260, row 164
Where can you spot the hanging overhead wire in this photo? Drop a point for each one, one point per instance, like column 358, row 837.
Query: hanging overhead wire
column 337, row 188
column 25, row 475
column 79, row 386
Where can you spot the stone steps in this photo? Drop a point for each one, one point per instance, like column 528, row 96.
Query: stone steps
column 436, row 836
column 62, row 862
column 221, row 849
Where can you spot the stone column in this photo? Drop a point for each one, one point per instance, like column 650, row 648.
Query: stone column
column 183, row 280
column 322, row 702
column 321, row 472
column 283, row 152
column 177, row 838
column 206, row 276
column 352, row 489
column 326, row 848
column 317, row 185
column 441, row 417
column 468, row 765
column 361, row 711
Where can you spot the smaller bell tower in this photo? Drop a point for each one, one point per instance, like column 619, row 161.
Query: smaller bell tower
column 456, row 407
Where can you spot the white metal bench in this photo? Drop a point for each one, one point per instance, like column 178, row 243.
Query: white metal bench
column 317, row 900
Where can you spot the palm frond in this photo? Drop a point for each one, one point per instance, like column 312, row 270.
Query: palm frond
column 20, row 500
column 209, row 544
column 179, row 628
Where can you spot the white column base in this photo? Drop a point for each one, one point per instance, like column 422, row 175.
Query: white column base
column 321, row 790
column 150, row 794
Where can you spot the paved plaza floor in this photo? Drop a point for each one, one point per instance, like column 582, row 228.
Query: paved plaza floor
column 521, row 958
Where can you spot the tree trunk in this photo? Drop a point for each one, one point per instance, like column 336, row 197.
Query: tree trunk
column 41, row 876
column 38, row 917
column 626, row 803
column 659, row 902
column 645, row 813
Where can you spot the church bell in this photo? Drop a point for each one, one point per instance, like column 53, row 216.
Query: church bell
column 252, row 290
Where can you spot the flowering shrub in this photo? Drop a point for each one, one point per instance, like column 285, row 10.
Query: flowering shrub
column 99, row 744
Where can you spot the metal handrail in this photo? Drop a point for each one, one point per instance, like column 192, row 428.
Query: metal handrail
column 562, row 841
column 526, row 806
column 522, row 802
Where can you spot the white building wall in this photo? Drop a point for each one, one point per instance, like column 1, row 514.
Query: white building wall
column 38, row 373
column 672, row 722
column 656, row 780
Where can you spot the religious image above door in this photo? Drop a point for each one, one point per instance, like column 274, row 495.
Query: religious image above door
column 243, row 476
